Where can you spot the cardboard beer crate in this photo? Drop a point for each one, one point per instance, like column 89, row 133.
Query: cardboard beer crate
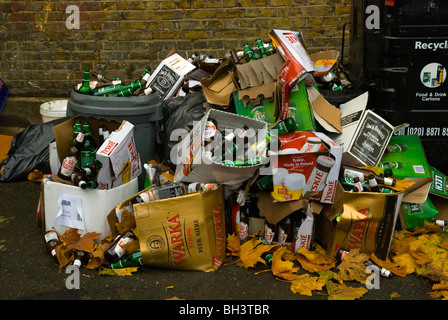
column 183, row 233
column 191, row 166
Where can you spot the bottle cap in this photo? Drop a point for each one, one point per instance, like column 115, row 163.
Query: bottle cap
column 325, row 161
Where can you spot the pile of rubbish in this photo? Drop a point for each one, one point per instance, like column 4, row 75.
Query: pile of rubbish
column 268, row 172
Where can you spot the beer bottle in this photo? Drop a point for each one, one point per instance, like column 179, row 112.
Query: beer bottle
column 285, row 126
column 145, row 73
column 261, row 48
column 101, row 78
column 88, row 149
column 285, row 231
column 76, row 130
column 90, row 171
column 79, row 180
column 357, row 185
column 109, row 90
column 85, row 86
column 81, row 258
column 387, row 169
column 352, row 171
column 250, row 56
column 70, row 160
column 270, row 232
column 132, row 260
column 51, row 242
column 373, row 184
column 116, row 250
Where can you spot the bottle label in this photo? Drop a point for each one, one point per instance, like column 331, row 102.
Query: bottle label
column 119, row 247
column 68, row 166
column 51, row 235
column 244, row 230
column 268, row 234
column 210, row 130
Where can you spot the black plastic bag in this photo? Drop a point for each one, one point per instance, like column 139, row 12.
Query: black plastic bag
column 29, row 150
column 178, row 112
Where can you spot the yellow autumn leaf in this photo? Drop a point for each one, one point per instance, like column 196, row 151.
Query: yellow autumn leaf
column 405, row 262
column 125, row 271
column 440, row 290
column 395, row 268
column 353, row 267
column 313, row 261
column 395, row 295
column 401, row 185
column 304, row 284
column 343, row 292
column 283, row 265
column 233, row 244
column 251, row 251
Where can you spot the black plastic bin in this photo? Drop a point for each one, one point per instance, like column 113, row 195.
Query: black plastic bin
column 403, row 65
column 142, row 111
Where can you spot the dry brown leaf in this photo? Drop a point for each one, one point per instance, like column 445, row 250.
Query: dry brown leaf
column 304, row 284
column 440, row 290
column 85, row 243
column 353, row 267
column 127, row 222
column 283, row 265
column 395, row 295
column 36, row 175
column 340, row 291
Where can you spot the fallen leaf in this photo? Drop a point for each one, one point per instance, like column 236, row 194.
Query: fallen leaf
column 125, row 271
column 251, row 251
column 394, row 295
column 314, row 261
column 85, row 243
column 330, row 275
column 394, row 267
column 282, row 264
column 304, row 284
column 174, row 298
column 353, row 267
column 169, row 287
column 127, row 222
column 233, row 244
column 440, row 290
column 340, row 291
column 36, row 175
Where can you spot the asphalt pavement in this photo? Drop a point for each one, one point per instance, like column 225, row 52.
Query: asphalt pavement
column 27, row 272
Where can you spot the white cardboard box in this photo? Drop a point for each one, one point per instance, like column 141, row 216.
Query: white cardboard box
column 66, row 206
column 365, row 134
column 190, row 163
column 169, row 75
column 119, row 158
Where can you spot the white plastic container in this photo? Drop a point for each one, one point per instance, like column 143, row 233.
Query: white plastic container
column 52, row 110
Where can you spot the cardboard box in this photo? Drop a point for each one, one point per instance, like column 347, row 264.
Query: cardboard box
column 65, row 206
column 328, row 194
column 411, row 165
column 119, row 158
column 298, row 63
column 183, row 233
column 169, row 76
column 367, row 222
column 324, row 61
column 365, row 135
column 294, row 164
column 192, row 166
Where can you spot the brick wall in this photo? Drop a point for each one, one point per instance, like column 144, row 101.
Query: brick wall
column 40, row 56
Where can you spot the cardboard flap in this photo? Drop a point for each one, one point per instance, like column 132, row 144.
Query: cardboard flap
column 325, row 113
column 261, row 71
column 219, row 87
column 274, row 212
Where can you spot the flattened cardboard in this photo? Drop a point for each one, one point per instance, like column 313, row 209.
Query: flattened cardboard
column 218, row 89
column 325, row 113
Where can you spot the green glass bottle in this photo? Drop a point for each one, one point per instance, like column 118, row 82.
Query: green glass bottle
column 250, row 56
column 261, row 48
column 85, row 86
column 76, row 130
column 88, row 150
column 132, row 260
column 285, row 126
